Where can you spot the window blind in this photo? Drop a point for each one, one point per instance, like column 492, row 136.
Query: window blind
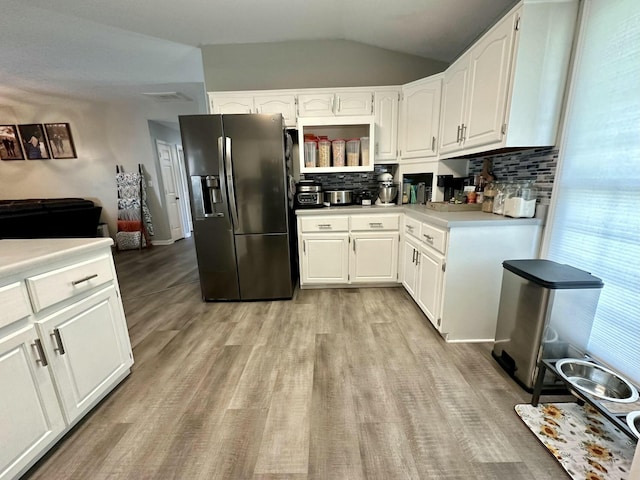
column 595, row 215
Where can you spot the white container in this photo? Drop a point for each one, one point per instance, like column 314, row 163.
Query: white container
column 353, row 152
column 324, row 153
column 518, row 207
column 310, row 149
column 338, row 153
column 364, row 148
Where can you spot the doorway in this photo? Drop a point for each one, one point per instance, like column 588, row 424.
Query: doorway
column 172, row 195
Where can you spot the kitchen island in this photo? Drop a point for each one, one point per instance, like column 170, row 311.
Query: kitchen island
column 64, row 343
column 449, row 262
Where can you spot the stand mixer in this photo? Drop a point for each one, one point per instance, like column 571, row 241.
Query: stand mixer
column 387, row 191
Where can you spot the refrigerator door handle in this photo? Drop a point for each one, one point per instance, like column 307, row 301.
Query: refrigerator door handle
column 229, row 169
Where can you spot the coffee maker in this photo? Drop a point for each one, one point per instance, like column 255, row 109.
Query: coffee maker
column 450, row 184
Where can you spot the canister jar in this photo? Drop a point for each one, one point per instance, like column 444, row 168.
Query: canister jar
column 338, row 146
column 324, row 153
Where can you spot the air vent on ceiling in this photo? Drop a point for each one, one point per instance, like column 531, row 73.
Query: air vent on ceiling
column 168, row 96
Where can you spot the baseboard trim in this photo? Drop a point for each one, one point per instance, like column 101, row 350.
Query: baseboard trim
column 162, row 242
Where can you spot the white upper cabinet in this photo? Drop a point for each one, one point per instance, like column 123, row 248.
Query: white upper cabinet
column 489, row 67
column 454, row 90
column 506, row 90
column 230, row 103
column 316, row 104
column 420, row 113
column 386, row 108
column 474, row 91
column 328, row 104
column 354, row 103
column 255, row 102
column 271, row 104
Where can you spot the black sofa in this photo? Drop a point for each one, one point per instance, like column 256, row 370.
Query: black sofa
column 49, row 218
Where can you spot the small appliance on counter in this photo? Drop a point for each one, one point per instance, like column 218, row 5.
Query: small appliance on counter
column 338, row 197
column 387, row 191
column 362, row 197
column 309, row 194
column 451, row 184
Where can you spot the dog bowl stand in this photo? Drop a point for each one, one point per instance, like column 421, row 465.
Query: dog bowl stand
column 618, row 419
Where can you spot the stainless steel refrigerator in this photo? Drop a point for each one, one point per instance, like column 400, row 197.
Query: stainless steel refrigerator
column 238, row 189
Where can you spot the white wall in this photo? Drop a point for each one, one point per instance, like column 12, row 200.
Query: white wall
column 105, row 135
column 309, row 64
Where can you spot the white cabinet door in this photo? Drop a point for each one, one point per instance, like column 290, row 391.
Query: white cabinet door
column 271, row 104
column 489, row 68
column 316, row 105
column 324, row 258
column 386, row 108
column 430, row 284
column 409, row 266
column 354, row 103
column 30, row 415
column 88, row 349
column 220, row 103
column 454, row 88
column 420, row 118
column 374, row 257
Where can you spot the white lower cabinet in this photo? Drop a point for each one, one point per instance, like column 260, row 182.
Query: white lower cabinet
column 354, row 249
column 325, row 258
column 454, row 273
column 30, row 416
column 410, row 266
column 374, row 257
column 63, row 342
column 86, row 348
column 430, row 275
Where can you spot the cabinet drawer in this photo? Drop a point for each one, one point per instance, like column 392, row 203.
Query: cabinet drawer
column 375, row 222
column 324, row 224
column 53, row 287
column 434, row 237
column 14, row 304
column 412, row 227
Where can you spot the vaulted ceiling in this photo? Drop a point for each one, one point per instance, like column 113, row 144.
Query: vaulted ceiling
column 108, row 48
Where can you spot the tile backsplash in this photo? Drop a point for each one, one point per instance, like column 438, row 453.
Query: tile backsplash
column 538, row 164
column 350, row 180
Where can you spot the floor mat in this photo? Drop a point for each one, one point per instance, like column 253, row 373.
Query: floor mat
column 587, row 445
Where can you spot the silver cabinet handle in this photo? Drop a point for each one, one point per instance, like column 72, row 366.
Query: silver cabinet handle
column 463, row 132
column 410, row 228
column 413, row 258
column 85, row 279
column 458, row 135
column 304, row 246
column 339, row 104
column 429, row 238
column 354, row 245
column 324, row 226
column 58, row 339
column 42, row 359
column 433, row 144
column 375, row 224
column 333, row 104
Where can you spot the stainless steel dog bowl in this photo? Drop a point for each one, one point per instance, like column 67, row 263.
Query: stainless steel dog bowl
column 633, row 420
column 596, row 380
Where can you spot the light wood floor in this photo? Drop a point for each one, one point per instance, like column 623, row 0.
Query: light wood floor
column 336, row 384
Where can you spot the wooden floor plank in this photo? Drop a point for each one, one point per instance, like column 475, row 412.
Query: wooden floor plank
column 336, row 383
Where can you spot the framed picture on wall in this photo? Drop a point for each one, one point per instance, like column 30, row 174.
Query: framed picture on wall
column 10, row 145
column 34, row 141
column 60, row 140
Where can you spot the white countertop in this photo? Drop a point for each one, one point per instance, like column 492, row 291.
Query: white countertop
column 21, row 254
column 422, row 213
column 349, row 210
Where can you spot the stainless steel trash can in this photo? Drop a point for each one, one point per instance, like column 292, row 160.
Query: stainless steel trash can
column 546, row 311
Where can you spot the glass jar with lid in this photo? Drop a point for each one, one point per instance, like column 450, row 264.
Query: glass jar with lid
column 520, row 200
